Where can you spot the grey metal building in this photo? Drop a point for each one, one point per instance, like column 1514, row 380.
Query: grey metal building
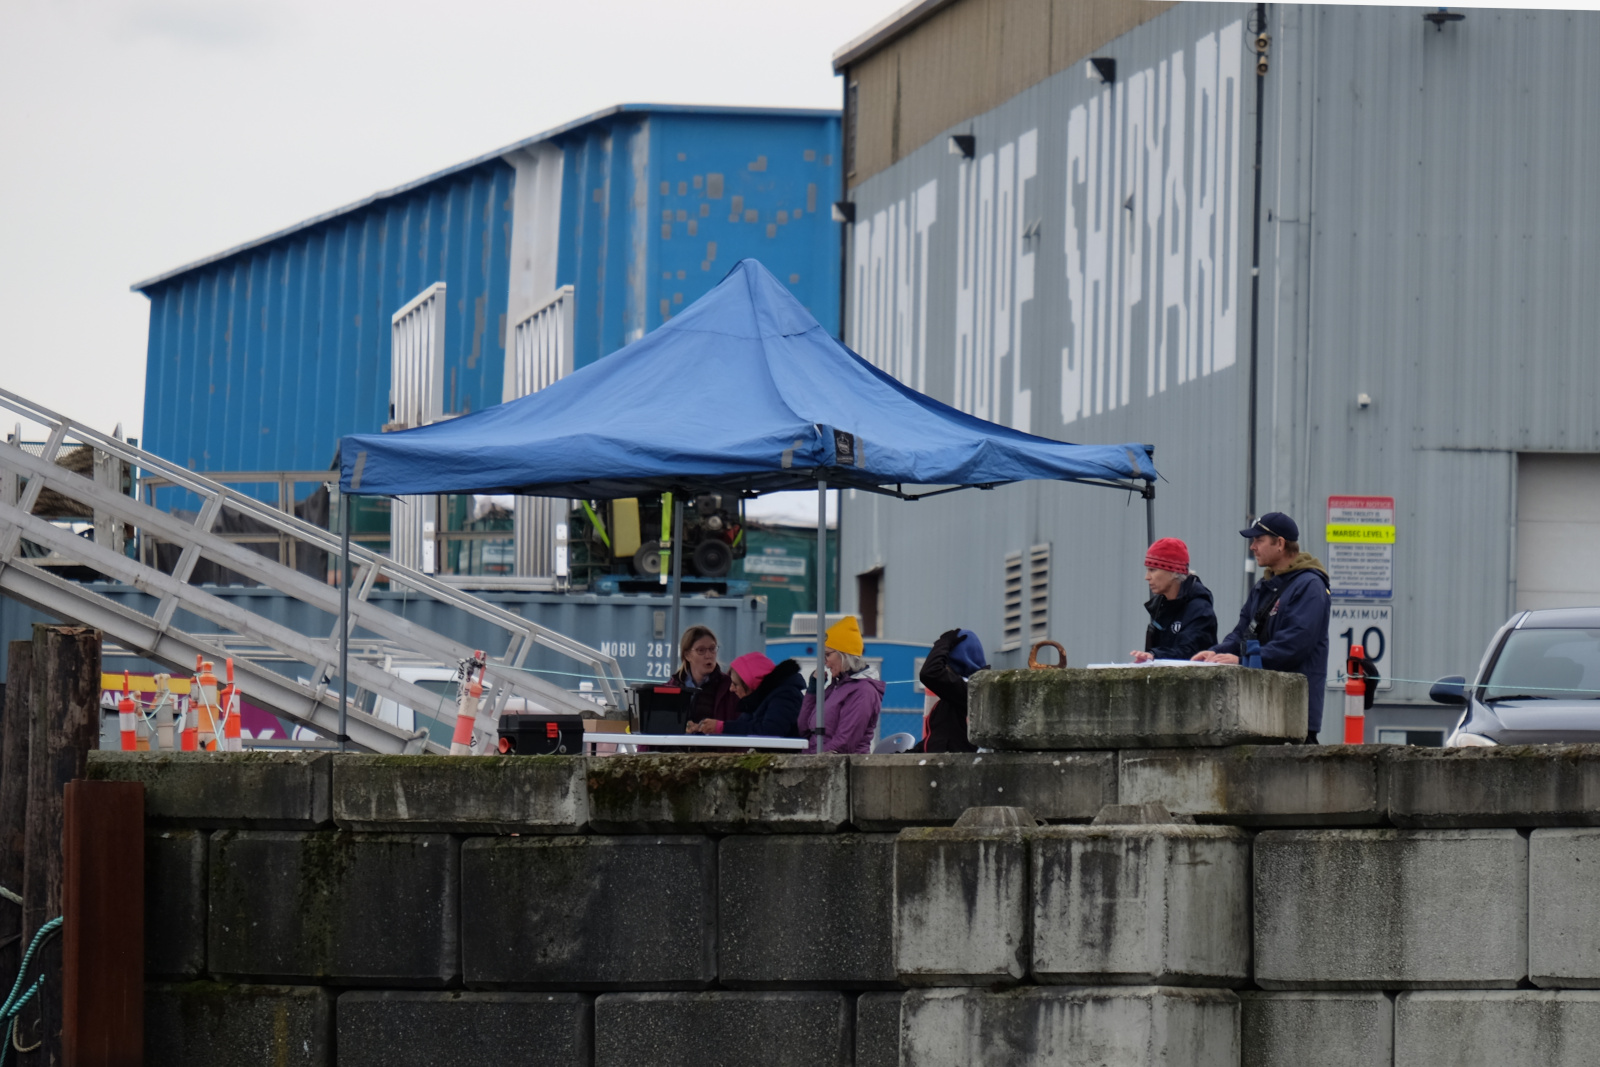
column 1058, row 226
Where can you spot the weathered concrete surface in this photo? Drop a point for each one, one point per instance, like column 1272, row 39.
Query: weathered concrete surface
column 718, row 794
column 223, row 1025
column 1513, row 785
column 1141, row 905
column 355, row 909
column 811, row 1029
column 239, row 790
column 411, row 1029
column 590, row 912
column 175, row 903
column 1043, row 1026
column 486, row 795
column 878, row 1030
column 1303, row 1028
column 1135, row 707
column 1489, row 1029
column 1261, row 785
column 816, row 909
column 1564, row 908
column 1391, row 909
column 961, row 906
column 890, row 792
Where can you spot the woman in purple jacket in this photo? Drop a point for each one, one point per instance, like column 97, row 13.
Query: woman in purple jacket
column 854, row 698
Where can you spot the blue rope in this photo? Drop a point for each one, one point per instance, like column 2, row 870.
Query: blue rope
column 14, row 1003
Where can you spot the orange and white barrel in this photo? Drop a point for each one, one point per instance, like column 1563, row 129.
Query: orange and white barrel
column 1355, row 698
column 127, row 715
column 466, row 718
column 210, row 709
column 232, row 723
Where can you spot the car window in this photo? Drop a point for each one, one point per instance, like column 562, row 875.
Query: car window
column 1558, row 664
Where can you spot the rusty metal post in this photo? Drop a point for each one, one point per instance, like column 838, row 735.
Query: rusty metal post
column 64, row 725
column 102, row 937
column 14, row 722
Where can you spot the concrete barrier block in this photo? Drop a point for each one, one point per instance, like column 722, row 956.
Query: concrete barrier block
column 1391, row 909
column 1261, row 785
column 811, row 1029
column 961, row 906
column 222, row 790
column 1512, row 785
column 351, row 909
column 224, row 1025
column 1476, row 1028
column 484, row 795
column 878, row 1030
column 753, row 793
column 1303, row 1028
column 1042, row 1026
column 891, row 792
column 1135, row 707
column 1564, row 908
column 815, row 909
column 590, row 912
column 1141, row 905
column 175, row 903
column 411, row 1029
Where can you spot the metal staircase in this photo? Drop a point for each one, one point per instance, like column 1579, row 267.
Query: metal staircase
column 314, row 702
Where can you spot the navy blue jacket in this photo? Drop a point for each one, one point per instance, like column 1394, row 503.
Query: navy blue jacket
column 1294, row 608
column 1179, row 628
column 773, row 707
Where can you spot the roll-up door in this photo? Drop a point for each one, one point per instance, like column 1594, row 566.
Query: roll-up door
column 1558, row 530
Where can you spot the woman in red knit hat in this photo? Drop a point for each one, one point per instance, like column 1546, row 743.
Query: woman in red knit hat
column 1182, row 619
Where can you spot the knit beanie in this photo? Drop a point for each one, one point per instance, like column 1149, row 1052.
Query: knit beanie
column 845, row 636
column 751, row 668
column 1168, row 554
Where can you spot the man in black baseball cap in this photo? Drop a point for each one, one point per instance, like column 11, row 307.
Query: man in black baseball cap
column 1283, row 625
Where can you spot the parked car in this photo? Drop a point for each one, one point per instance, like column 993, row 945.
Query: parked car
column 1539, row 683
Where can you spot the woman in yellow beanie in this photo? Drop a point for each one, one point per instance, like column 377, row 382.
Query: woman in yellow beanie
column 854, row 697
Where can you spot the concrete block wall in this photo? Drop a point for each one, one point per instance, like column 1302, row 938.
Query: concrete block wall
column 1302, row 906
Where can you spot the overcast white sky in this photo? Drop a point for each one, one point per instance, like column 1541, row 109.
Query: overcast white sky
column 138, row 135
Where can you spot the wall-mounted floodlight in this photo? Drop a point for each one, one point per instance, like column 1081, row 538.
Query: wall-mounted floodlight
column 844, row 211
column 1102, row 69
column 963, row 144
column 1440, row 17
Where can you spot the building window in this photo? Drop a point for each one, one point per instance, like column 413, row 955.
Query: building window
column 869, row 602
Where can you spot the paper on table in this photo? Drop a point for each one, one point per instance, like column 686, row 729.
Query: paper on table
column 1152, row 663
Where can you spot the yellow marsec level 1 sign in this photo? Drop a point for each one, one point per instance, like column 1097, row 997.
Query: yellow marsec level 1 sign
column 1359, row 533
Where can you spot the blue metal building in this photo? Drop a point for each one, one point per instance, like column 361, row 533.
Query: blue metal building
column 262, row 356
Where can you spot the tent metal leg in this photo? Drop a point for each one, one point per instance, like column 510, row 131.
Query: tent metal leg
column 822, row 601
column 344, row 616
column 1150, row 514
column 677, row 567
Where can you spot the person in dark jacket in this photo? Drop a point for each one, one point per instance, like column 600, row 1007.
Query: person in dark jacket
column 1283, row 626
column 955, row 657
column 711, row 695
column 1182, row 619
column 769, row 699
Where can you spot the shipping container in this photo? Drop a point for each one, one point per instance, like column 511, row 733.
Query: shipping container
column 1077, row 257
column 780, row 563
column 633, row 629
column 262, row 356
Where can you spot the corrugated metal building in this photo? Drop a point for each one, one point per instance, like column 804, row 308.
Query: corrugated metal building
column 262, row 356
column 1425, row 326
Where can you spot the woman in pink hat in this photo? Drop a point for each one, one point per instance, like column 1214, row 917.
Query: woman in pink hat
column 769, row 699
column 1182, row 618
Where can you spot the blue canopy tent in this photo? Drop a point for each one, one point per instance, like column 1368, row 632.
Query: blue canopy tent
column 741, row 392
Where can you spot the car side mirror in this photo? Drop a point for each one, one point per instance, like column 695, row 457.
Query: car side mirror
column 1450, row 689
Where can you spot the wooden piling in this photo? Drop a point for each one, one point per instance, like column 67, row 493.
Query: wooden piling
column 14, row 723
column 64, row 725
column 102, row 936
